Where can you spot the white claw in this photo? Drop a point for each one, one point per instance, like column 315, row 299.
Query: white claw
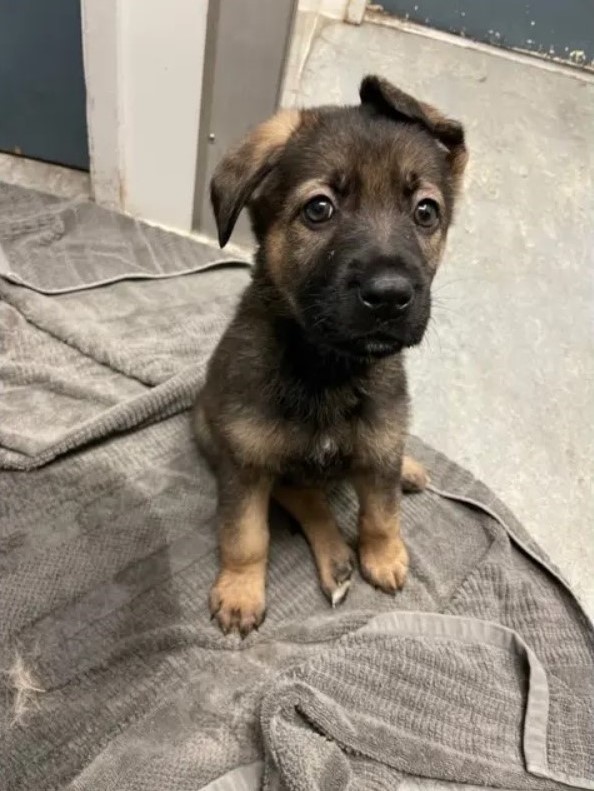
column 340, row 592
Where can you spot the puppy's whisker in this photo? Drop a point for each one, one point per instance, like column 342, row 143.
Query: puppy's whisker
column 445, row 284
column 439, row 308
column 432, row 332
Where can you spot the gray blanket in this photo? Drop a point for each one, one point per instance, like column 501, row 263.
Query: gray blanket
column 480, row 671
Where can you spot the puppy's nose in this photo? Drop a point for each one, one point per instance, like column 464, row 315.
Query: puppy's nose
column 387, row 291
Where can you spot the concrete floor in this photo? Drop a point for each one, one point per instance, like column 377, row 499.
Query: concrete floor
column 504, row 383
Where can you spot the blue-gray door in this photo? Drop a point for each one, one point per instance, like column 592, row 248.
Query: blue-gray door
column 561, row 29
column 42, row 86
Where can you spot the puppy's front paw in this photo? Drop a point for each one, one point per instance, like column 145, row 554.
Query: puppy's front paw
column 414, row 476
column 237, row 601
column 335, row 572
column 384, row 562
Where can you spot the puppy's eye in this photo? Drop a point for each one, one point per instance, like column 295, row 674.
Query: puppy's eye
column 319, row 209
column 427, row 213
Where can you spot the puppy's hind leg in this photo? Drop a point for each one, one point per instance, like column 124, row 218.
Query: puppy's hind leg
column 414, row 476
column 334, row 559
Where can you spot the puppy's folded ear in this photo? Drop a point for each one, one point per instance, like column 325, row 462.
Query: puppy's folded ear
column 390, row 101
column 239, row 173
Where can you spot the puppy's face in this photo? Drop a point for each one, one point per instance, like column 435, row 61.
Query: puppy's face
column 351, row 208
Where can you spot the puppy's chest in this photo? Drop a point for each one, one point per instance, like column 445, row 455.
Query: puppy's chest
column 319, row 455
column 325, row 449
column 312, row 434
column 328, row 440
column 326, row 423
column 331, row 449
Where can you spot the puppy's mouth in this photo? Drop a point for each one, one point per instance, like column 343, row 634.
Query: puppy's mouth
column 381, row 348
column 374, row 345
column 344, row 335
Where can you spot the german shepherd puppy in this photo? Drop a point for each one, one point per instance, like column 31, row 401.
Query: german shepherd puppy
column 350, row 207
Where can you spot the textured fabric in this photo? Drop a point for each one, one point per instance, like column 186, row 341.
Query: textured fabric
column 57, row 246
column 472, row 722
column 88, row 363
column 115, row 679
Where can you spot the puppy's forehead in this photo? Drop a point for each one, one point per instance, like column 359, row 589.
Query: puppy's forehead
column 350, row 146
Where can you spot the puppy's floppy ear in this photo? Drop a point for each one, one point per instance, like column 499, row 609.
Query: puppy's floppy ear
column 239, row 173
column 390, row 101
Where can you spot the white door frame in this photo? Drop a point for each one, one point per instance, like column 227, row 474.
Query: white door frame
column 143, row 68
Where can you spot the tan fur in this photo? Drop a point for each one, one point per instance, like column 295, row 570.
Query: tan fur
column 458, row 155
column 277, row 241
column 274, row 132
column 435, row 249
column 378, row 445
column 275, row 253
column 237, row 599
column 245, row 540
column 309, row 507
column 414, row 475
column 260, row 442
column 264, row 138
column 458, row 159
column 382, row 553
column 268, row 443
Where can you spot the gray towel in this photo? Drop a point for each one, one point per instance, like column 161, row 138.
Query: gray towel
column 58, row 246
column 481, row 670
column 88, row 362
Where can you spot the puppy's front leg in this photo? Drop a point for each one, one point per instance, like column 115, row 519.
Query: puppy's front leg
column 237, row 599
column 333, row 556
column 382, row 554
